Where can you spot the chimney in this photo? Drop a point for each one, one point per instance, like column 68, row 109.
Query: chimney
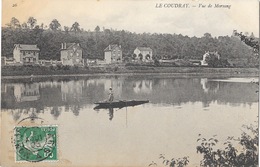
column 65, row 47
column 109, row 47
column 61, row 45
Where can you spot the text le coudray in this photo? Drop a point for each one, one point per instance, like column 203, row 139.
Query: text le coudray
column 171, row 5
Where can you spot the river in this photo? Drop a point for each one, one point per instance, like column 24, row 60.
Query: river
column 179, row 109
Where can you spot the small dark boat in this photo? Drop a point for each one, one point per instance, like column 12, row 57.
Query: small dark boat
column 119, row 104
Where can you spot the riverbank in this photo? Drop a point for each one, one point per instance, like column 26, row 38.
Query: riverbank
column 43, row 72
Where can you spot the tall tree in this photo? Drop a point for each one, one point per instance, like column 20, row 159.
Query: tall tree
column 75, row 27
column 54, row 25
column 31, row 22
column 14, row 23
column 97, row 29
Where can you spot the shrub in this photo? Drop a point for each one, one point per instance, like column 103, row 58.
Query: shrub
column 230, row 155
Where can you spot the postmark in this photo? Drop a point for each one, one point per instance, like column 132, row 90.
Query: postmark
column 36, row 143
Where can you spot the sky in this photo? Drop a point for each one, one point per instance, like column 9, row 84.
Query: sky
column 141, row 15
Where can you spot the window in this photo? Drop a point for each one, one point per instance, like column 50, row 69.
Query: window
column 34, row 53
column 24, row 53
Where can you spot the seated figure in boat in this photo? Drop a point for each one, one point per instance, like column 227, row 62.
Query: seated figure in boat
column 111, row 96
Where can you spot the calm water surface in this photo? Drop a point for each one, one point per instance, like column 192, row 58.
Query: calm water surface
column 179, row 110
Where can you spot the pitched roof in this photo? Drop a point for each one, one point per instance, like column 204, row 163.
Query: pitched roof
column 27, row 47
column 144, row 49
column 110, row 47
column 69, row 45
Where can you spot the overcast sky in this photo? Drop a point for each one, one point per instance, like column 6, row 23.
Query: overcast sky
column 140, row 16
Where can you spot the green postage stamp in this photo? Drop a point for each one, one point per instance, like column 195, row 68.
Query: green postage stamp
column 36, row 144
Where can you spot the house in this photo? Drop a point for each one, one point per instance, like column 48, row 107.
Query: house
column 207, row 54
column 113, row 54
column 143, row 53
column 71, row 54
column 27, row 92
column 26, row 54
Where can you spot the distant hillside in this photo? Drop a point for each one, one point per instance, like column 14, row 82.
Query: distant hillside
column 171, row 46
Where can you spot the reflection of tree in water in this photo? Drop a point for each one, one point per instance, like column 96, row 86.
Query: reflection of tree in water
column 29, row 113
column 16, row 114
column 55, row 111
column 206, row 104
column 75, row 109
column 67, row 108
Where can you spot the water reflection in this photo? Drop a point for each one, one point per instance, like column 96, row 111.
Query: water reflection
column 209, row 86
column 111, row 113
column 73, row 95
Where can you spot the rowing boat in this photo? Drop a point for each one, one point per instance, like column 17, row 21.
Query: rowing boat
column 119, row 104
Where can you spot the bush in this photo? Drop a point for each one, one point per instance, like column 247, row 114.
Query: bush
column 231, row 156
column 241, row 151
column 156, row 62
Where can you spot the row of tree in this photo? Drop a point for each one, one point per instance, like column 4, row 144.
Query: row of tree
column 170, row 46
column 32, row 24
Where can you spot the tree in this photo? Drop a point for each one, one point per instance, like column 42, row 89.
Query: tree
column 24, row 26
column 97, row 29
column 242, row 151
column 31, row 22
column 140, row 56
column 54, row 25
column 14, row 23
column 147, row 57
column 174, row 162
column 134, row 56
column 207, row 35
column 66, row 29
column 42, row 26
column 75, row 27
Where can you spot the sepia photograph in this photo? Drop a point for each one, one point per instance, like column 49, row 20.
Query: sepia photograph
column 130, row 83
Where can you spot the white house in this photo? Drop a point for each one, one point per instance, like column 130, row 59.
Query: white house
column 144, row 53
column 26, row 54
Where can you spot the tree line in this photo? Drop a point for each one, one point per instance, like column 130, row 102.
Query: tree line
column 167, row 46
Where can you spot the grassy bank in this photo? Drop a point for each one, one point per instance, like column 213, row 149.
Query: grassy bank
column 31, row 71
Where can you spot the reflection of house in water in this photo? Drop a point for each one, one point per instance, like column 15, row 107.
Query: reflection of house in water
column 47, row 84
column 116, row 84
column 144, row 86
column 209, row 86
column 26, row 92
column 72, row 90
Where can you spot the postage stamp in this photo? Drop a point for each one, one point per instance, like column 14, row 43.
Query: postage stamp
column 35, row 144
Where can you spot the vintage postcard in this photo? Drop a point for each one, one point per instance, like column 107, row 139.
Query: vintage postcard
column 109, row 83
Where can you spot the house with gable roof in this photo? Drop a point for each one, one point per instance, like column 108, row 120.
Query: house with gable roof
column 113, row 54
column 26, row 54
column 144, row 53
column 71, row 54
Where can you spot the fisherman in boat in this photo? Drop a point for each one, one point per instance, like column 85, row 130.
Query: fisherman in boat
column 110, row 96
